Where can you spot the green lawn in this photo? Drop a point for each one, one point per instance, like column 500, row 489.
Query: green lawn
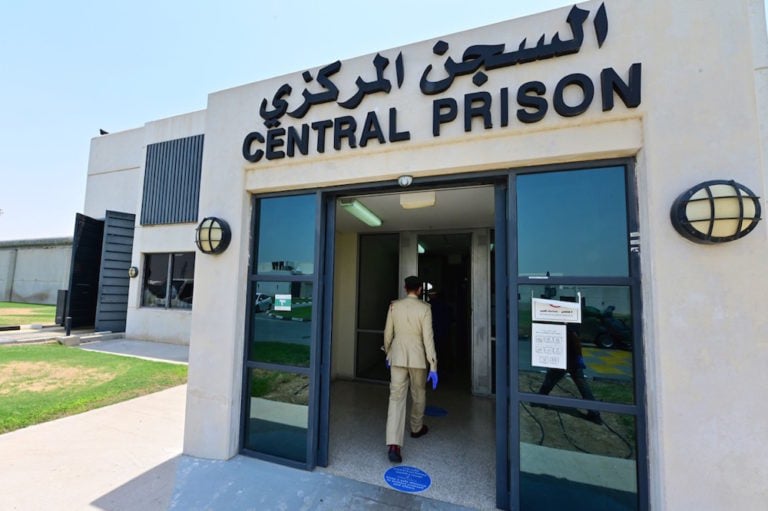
column 42, row 382
column 15, row 313
column 281, row 353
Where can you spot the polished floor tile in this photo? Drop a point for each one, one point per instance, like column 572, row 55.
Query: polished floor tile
column 458, row 453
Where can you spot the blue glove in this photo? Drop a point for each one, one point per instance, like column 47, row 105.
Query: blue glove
column 387, row 362
column 433, row 376
column 581, row 363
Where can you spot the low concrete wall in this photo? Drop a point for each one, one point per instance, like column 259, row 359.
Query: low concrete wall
column 32, row 271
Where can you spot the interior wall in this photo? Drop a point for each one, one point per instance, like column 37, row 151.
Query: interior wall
column 481, row 312
column 344, row 306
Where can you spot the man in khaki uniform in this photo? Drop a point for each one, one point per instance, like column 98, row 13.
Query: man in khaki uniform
column 410, row 346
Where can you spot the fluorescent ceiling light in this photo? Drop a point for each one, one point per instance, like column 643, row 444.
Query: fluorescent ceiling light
column 356, row 208
column 417, row 200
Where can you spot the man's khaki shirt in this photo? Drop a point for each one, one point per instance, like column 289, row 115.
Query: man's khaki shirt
column 408, row 337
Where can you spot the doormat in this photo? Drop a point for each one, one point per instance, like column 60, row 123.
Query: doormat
column 435, row 411
column 407, row 479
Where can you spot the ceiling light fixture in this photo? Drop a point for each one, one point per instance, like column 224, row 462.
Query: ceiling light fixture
column 417, row 200
column 356, row 208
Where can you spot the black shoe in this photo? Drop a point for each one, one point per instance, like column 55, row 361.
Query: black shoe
column 594, row 417
column 423, row 431
column 394, row 454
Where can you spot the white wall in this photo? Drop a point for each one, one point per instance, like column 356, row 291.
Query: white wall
column 7, row 270
column 166, row 325
column 33, row 271
column 114, row 178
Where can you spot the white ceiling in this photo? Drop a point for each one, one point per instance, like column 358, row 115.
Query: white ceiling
column 455, row 208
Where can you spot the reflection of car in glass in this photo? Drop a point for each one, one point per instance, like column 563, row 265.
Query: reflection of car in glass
column 607, row 330
column 262, row 302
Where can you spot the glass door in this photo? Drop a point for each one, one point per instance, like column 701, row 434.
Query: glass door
column 578, row 421
column 379, row 259
column 280, row 408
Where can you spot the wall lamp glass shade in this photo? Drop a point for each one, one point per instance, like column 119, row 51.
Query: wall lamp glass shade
column 356, row 208
column 715, row 212
column 213, row 235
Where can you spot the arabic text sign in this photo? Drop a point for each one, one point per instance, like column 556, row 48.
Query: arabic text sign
column 331, row 85
column 555, row 311
column 283, row 302
column 548, row 346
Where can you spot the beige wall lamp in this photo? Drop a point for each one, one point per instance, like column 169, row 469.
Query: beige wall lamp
column 715, row 212
column 213, row 235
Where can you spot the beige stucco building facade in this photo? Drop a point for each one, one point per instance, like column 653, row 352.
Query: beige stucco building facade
column 674, row 93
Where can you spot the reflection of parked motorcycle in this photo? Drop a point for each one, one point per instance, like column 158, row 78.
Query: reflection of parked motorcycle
column 613, row 332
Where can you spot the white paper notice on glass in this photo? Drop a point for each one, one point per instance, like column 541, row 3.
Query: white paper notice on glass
column 548, row 346
column 555, row 310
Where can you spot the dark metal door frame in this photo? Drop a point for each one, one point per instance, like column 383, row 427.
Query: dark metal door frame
column 515, row 396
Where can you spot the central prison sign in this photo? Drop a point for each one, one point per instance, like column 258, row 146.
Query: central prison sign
column 526, row 103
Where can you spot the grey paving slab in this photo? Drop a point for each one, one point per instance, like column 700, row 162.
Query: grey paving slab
column 142, row 349
column 249, row 484
column 78, row 462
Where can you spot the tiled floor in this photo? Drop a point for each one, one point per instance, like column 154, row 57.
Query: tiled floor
column 458, row 453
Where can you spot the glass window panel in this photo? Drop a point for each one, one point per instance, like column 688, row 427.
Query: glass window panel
column 182, row 284
column 572, row 223
column 281, row 323
column 605, row 339
column 278, row 414
column 568, row 461
column 286, row 243
column 155, row 286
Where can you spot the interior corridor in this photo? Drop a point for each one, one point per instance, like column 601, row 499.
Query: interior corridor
column 458, row 453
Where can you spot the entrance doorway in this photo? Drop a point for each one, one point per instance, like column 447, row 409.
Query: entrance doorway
column 445, row 266
column 448, row 246
column 307, row 402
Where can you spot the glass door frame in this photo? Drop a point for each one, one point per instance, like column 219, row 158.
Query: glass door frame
column 508, row 395
column 319, row 298
column 633, row 281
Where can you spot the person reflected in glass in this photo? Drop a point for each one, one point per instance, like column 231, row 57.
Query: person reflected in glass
column 575, row 367
column 410, row 348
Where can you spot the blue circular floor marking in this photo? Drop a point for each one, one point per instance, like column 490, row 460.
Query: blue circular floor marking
column 407, row 479
column 435, row 411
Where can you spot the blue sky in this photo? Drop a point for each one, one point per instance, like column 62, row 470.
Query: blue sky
column 71, row 68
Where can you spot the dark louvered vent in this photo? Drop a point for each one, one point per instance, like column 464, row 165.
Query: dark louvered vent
column 172, row 181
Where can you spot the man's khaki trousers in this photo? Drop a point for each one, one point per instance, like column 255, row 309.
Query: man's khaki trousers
column 398, row 388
